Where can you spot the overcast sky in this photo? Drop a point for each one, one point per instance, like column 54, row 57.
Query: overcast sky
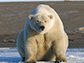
column 33, row 0
column 26, row 0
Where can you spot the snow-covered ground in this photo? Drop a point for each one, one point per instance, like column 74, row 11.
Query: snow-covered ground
column 10, row 55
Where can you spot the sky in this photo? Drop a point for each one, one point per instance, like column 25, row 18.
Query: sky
column 33, row 0
column 26, row 0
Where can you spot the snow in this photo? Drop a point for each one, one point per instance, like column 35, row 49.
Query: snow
column 75, row 55
column 10, row 55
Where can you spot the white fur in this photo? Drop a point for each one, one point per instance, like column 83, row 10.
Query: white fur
column 42, row 9
column 32, row 45
column 51, row 25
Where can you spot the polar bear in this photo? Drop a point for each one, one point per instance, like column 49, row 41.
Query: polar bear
column 43, row 37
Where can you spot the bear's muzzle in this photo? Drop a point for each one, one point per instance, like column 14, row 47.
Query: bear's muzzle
column 42, row 28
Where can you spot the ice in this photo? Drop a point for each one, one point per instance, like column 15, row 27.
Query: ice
column 10, row 55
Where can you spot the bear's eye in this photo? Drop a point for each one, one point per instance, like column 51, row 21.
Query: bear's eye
column 45, row 21
column 37, row 21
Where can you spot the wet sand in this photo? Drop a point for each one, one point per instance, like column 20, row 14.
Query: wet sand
column 13, row 17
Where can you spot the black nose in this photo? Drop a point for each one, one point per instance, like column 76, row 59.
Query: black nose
column 42, row 27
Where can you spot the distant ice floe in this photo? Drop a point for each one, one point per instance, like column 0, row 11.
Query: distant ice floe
column 75, row 11
column 80, row 30
column 10, row 55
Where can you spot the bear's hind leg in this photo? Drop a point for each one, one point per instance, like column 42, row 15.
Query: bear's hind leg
column 22, row 54
column 20, row 44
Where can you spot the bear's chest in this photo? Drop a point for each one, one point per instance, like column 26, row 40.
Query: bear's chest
column 43, row 42
column 43, row 46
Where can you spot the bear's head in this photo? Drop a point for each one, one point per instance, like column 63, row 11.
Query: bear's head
column 41, row 23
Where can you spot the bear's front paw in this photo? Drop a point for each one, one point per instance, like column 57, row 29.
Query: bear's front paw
column 31, row 61
column 61, row 60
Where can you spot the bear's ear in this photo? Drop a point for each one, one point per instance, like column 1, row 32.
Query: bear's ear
column 50, row 16
column 31, row 17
